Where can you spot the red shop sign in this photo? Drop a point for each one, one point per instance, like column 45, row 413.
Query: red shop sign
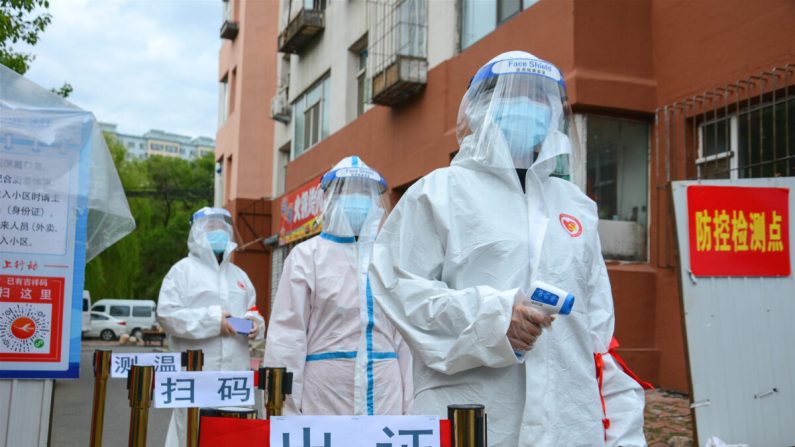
column 738, row 231
column 300, row 212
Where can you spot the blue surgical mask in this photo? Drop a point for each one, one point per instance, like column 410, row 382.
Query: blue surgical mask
column 356, row 208
column 218, row 240
column 525, row 124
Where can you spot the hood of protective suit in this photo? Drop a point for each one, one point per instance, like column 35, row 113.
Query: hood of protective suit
column 515, row 114
column 204, row 225
column 353, row 200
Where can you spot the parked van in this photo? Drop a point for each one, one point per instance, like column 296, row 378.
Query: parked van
column 139, row 314
column 86, row 311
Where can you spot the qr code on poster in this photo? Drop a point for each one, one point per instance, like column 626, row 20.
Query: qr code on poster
column 25, row 328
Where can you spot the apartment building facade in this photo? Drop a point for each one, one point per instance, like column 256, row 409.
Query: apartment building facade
column 661, row 91
column 244, row 141
column 158, row 142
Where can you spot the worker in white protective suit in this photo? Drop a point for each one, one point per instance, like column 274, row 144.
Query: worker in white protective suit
column 197, row 295
column 346, row 357
column 456, row 257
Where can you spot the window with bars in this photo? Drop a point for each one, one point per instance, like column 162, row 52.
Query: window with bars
column 756, row 142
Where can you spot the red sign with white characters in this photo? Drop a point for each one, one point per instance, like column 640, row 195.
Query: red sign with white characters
column 738, row 231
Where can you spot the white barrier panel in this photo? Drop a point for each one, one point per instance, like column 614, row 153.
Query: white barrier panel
column 190, row 389
column 354, row 431
column 735, row 249
column 163, row 362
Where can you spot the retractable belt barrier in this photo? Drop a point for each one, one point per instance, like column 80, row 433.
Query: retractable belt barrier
column 277, row 384
column 101, row 372
column 466, row 425
column 139, row 386
column 193, row 361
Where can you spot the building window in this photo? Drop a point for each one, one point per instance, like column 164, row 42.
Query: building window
column 310, row 117
column 507, row 9
column 223, row 101
column 757, row 142
column 218, row 197
column 318, row 5
column 617, row 166
column 283, row 157
column 227, row 192
column 480, row 17
column 362, row 83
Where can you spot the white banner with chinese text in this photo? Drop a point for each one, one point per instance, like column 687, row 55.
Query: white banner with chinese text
column 354, row 431
column 120, row 363
column 191, row 389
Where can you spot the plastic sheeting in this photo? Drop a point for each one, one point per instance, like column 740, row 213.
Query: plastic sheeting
column 22, row 102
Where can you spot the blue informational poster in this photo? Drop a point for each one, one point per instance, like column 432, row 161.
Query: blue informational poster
column 45, row 167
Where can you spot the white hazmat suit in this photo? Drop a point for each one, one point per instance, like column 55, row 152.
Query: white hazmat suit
column 195, row 296
column 346, row 357
column 463, row 246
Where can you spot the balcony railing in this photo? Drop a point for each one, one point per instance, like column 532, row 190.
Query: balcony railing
column 399, row 81
column 397, row 50
column 301, row 30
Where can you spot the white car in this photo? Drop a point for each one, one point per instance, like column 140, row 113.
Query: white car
column 106, row 327
column 139, row 314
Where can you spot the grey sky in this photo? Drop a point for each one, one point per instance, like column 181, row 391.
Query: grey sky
column 142, row 64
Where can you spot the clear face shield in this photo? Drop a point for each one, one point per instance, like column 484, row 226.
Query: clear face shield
column 354, row 204
column 516, row 114
column 211, row 229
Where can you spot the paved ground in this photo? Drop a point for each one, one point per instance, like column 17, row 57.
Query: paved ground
column 667, row 416
column 71, row 419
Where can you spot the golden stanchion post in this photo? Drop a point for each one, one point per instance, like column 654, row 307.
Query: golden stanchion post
column 101, row 372
column 468, row 425
column 139, row 385
column 277, row 383
column 193, row 361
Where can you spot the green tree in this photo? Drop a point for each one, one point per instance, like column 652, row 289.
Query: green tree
column 163, row 193
column 65, row 90
column 21, row 21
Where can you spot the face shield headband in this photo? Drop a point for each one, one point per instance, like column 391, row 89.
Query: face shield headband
column 512, row 113
column 212, row 227
column 353, row 200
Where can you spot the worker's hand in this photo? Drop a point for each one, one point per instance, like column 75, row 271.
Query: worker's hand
column 526, row 326
column 226, row 328
column 254, row 328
